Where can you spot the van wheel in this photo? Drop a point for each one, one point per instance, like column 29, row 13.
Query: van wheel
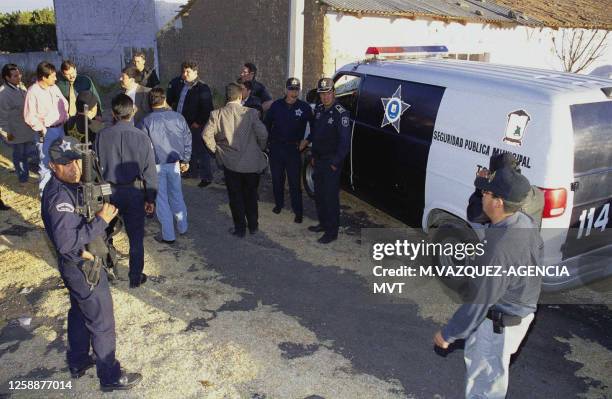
column 452, row 231
column 307, row 175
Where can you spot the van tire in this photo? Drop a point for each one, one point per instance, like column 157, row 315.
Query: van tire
column 307, row 174
column 450, row 229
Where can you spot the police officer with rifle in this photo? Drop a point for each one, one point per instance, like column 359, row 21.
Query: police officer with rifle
column 76, row 216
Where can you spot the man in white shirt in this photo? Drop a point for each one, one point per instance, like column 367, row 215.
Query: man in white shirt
column 45, row 111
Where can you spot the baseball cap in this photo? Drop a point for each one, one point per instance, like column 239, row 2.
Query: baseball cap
column 502, row 160
column 325, row 85
column 505, row 183
column 64, row 150
column 293, row 84
column 85, row 97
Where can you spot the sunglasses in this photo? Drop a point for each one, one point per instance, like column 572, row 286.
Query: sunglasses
column 486, row 192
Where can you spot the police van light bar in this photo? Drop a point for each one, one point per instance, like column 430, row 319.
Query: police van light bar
column 406, row 51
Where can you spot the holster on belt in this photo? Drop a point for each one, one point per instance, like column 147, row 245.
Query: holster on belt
column 501, row 320
column 91, row 270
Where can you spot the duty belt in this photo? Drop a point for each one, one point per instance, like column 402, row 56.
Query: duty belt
column 501, row 320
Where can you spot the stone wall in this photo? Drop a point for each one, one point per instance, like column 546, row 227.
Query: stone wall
column 222, row 35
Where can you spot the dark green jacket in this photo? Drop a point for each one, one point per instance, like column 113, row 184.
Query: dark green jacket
column 82, row 83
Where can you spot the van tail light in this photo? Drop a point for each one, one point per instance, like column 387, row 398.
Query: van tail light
column 555, row 201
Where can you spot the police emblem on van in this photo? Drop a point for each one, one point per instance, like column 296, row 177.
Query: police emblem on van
column 394, row 108
column 515, row 130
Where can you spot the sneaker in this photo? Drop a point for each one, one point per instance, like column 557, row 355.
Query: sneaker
column 253, row 230
column 203, row 183
column 298, row 219
column 277, row 209
column 136, row 284
column 125, row 382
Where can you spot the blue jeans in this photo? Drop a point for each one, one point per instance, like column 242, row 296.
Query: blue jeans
column 21, row 153
column 53, row 133
column 169, row 204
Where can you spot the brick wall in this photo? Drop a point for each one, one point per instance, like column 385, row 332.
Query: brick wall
column 314, row 34
column 223, row 34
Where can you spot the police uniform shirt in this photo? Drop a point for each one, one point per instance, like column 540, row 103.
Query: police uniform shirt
column 286, row 123
column 330, row 133
column 514, row 241
column 126, row 155
column 68, row 231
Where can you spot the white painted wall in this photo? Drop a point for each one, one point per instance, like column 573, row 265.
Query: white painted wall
column 95, row 32
column 350, row 36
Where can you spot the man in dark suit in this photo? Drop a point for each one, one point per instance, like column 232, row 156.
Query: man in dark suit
column 139, row 94
column 146, row 76
column 237, row 137
column 192, row 98
column 249, row 100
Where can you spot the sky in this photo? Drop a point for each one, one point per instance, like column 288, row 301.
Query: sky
column 23, row 5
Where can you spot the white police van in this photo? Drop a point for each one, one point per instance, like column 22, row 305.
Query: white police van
column 423, row 127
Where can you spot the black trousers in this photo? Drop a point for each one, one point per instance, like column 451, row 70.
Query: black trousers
column 327, row 195
column 130, row 202
column 200, row 157
column 242, row 193
column 285, row 158
column 91, row 323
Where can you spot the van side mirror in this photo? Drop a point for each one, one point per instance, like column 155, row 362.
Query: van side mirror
column 312, row 97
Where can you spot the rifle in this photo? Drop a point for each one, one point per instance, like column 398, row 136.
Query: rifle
column 92, row 193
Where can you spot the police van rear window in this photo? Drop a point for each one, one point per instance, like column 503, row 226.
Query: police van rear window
column 592, row 125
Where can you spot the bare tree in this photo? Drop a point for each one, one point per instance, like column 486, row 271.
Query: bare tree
column 579, row 48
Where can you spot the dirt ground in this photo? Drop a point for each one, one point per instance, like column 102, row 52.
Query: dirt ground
column 276, row 317
column 187, row 354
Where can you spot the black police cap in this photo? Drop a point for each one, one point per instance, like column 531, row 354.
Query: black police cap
column 64, row 150
column 85, row 97
column 505, row 183
column 325, row 85
column 293, row 84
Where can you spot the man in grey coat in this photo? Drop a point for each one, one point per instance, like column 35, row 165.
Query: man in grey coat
column 12, row 124
column 237, row 137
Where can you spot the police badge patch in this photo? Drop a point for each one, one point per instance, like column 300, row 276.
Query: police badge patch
column 64, row 207
column 345, row 121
